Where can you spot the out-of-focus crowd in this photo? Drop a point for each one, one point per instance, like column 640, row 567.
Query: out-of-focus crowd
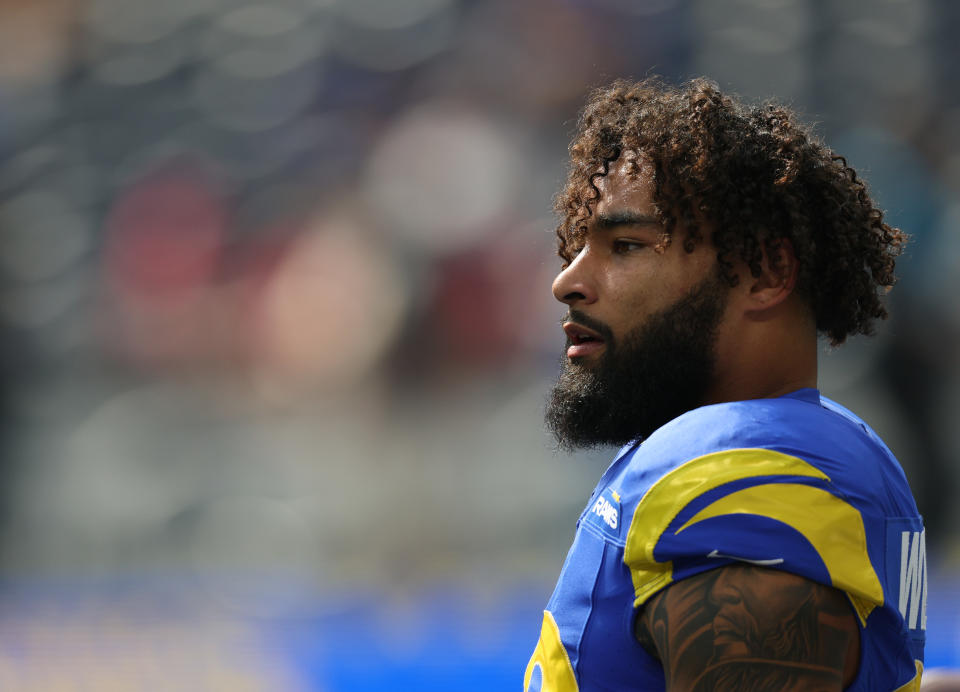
column 275, row 308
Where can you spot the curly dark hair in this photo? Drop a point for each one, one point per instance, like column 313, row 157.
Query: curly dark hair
column 755, row 176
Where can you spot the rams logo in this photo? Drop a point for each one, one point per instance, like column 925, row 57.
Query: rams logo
column 786, row 493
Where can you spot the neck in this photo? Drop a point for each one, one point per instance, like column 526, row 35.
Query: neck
column 765, row 359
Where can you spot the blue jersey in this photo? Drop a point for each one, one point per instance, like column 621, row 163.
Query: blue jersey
column 796, row 483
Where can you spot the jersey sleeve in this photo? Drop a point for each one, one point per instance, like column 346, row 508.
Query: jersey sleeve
column 757, row 506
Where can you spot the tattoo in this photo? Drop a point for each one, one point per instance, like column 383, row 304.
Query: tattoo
column 742, row 627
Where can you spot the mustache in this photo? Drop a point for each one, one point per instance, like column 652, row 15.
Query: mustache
column 590, row 323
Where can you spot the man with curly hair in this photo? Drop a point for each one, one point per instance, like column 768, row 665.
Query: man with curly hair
column 750, row 534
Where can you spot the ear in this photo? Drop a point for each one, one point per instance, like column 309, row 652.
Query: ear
column 778, row 276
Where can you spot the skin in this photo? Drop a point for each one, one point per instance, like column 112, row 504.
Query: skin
column 744, row 627
column 785, row 631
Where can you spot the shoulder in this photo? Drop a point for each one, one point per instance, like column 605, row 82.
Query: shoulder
column 721, row 443
column 802, row 489
column 765, row 482
column 803, row 434
column 802, row 420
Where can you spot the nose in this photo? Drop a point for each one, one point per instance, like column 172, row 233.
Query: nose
column 575, row 283
column 726, row 589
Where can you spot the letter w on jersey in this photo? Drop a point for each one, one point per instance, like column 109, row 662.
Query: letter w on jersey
column 913, row 578
column 907, row 572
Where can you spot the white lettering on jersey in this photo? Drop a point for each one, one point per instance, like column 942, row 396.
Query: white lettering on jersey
column 606, row 511
column 913, row 578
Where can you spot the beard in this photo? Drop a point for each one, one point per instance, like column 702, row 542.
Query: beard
column 662, row 369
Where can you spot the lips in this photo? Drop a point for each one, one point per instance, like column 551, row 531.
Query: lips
column 583, row 341
column 730, row 633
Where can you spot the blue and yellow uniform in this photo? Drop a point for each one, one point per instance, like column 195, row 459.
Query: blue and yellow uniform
column 796, row 483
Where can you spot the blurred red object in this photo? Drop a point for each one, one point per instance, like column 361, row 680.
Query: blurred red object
column 164, row 239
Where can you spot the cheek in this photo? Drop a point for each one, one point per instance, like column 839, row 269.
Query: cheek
column 631, row 311
column 640, row 301
column 773, row 603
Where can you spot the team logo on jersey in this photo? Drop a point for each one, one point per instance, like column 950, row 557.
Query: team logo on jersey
column 907, row 571
column 790, row 497
column 604, row 513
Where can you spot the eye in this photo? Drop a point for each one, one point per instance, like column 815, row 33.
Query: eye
column 625, row 245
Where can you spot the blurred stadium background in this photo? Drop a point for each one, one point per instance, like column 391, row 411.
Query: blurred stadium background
column 277, row 329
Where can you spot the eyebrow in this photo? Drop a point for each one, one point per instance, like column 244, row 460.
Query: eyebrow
column 625, row 218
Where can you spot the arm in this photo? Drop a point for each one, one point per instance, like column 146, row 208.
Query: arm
column 742, row 627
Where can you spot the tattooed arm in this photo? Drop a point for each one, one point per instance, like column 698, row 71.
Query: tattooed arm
column 742, row 627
